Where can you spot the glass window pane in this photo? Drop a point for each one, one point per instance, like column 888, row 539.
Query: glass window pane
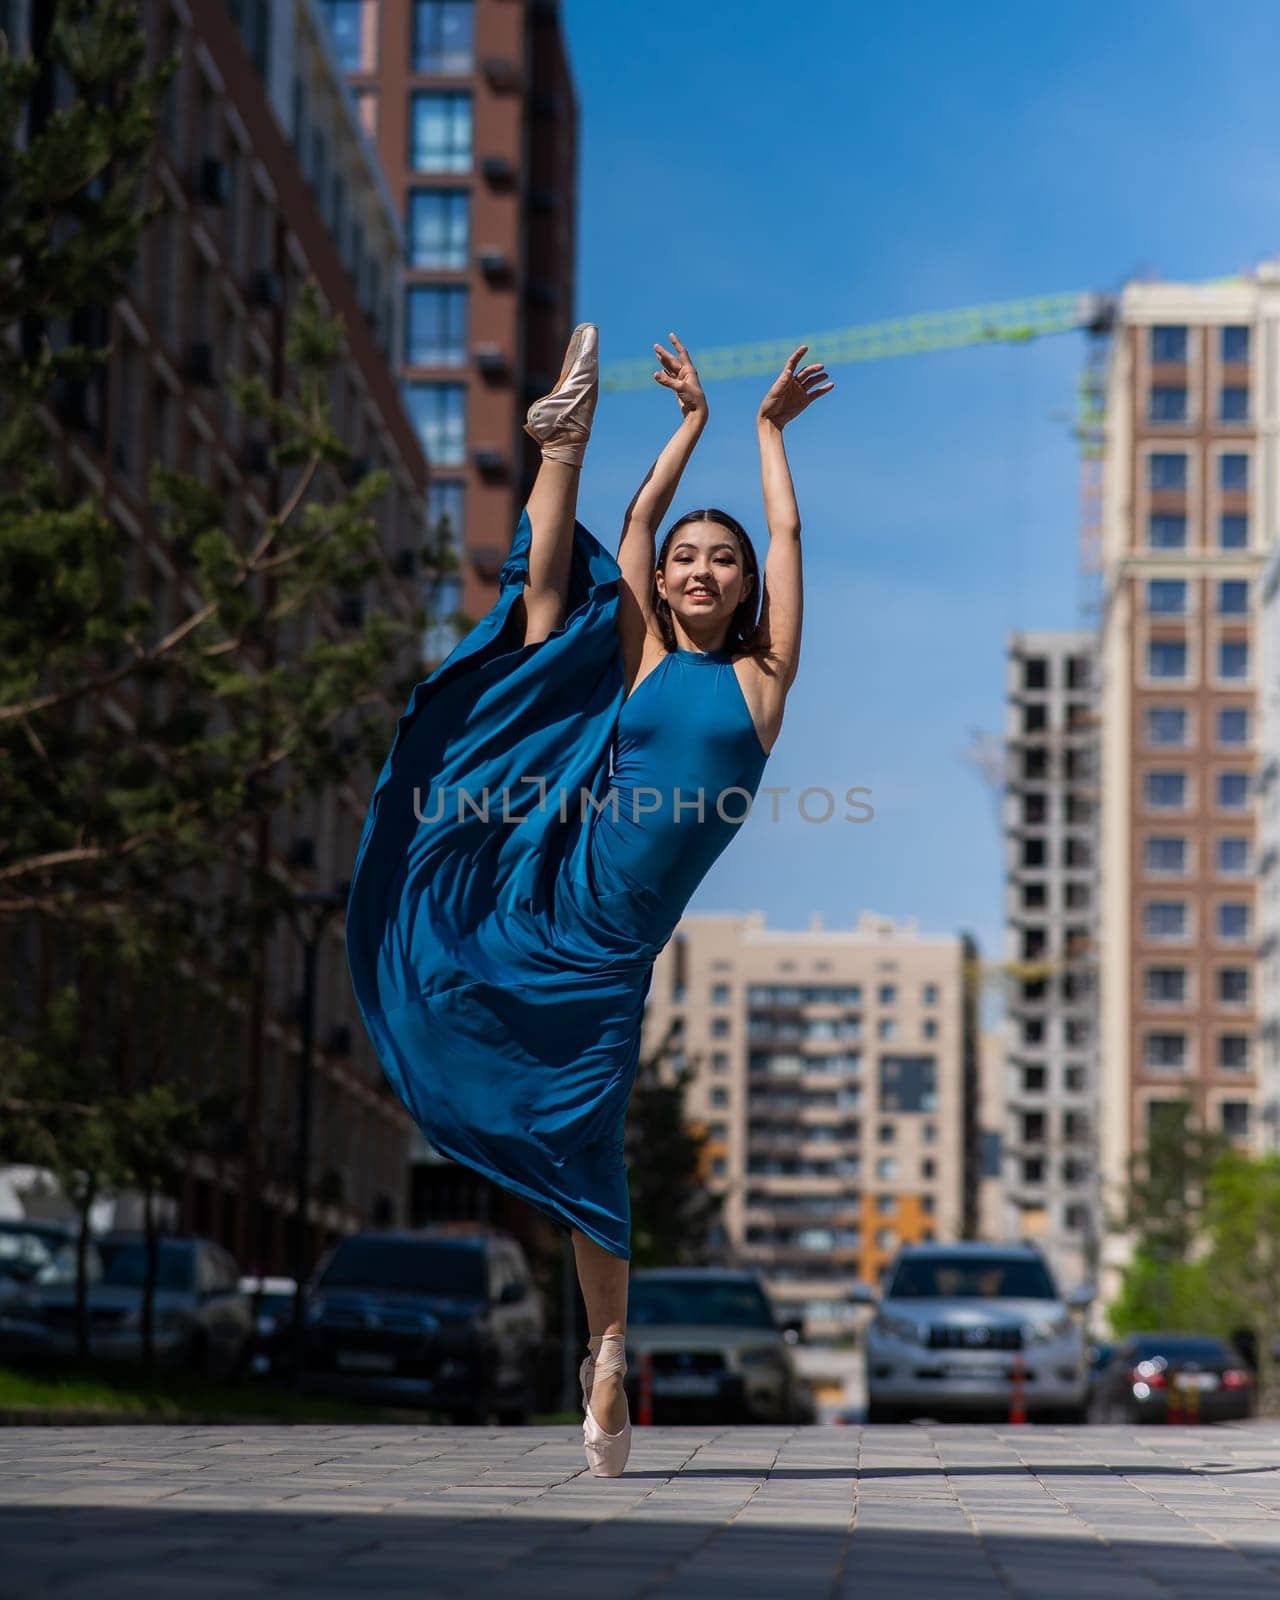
column 438, row 411
column 1234, row 406
column 1168, row 344
column 1233, row 658
column 1167, row 470
column 1233, row 470
column 1233, row 596
column 1166, row 725
column 1167, row 531
column 1233, row 725
column 435, row 325
column 1235, row 344
column 443, row 35
column 440, row 132
column 439, row 228
column 1168, row 403
column 1167, row 596
column 1166, row 658
column 1233, row 531
column 353, row 28
column 1233, row 853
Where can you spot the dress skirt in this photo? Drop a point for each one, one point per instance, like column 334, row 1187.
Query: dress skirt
column 501, row 964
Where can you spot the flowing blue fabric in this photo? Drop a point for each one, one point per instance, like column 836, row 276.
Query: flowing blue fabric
column 531, row 843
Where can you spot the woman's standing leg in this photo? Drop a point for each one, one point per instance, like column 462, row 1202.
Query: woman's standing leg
column 603, row 1278
column 553, row 509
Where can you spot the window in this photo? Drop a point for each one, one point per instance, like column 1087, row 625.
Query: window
column 1235, row 1118
column 1235, row 344
column 446, row 514
column 1233, row 725
column 367, row 110
column 353, row 28
column 1033, row 1080
column 1232, row 790
column 1165, row 853
column 1167, row 469
column 439, row 229
column 1166, row 725
column 1233, row 471
column 719, row 1061
column 443, row 35
column 1233, row 597
column 440, row 132
column 1232, row 854
column 1165, row 919
column 929, row 1028
column 1233, row 986
column 719, row 1027
column 1166, row 986
column 1164, row 1052
column 1233, row 531
column 720, row 993
column 719, row 1098
column 1168, row 403
column 1233, row 403
column 1034, row 852
column 1167, row 597
column 1166, row 658
column 929, row 994
column 1167, row 530
column 438, row 411
column 1233, row 920
column 435, row 325
column 1233, row 1052
column 1033, row 1169
column 886, row 1172
column 1168, row 343
column 887, row 994
column 887, row 1028
column 1233, row 658
column 1035, row 673
column 1165, row 791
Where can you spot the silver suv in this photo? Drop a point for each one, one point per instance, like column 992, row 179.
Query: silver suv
column 953, row 1323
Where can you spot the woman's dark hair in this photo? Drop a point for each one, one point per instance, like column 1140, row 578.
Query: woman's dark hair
column 743, row 631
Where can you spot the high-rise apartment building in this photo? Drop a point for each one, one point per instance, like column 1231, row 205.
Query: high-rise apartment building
column 471, row 106
column 1189, row 516
column 836, row 1073
column 1269, row 856
column 256, row 204
column 1050, row 826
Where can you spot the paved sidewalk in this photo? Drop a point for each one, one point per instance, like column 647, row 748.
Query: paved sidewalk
column 777, row 1513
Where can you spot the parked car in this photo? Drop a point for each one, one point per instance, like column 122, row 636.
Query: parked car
column 201, row 1321
column 717, row 1348
column 1197, row 1373
column 953, row 1322
column 443, row 1317
column 36, row 1253
column 271, row 1301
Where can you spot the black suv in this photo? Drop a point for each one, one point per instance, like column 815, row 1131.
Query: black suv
column 438, row 1317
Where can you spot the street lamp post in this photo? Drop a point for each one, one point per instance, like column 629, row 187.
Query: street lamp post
column 320, row 905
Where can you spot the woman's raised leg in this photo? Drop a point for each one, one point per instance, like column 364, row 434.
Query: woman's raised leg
column 552, row 508
column 603, row 1278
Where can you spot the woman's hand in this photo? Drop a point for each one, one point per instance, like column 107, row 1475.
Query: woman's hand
column 793, row 391
column 680, row 374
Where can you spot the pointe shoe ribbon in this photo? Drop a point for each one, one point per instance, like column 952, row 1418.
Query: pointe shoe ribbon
column 561, row 420
column 606, row 1452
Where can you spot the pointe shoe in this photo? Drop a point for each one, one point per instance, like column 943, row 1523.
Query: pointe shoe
column 561, row 420
column 606, row 1452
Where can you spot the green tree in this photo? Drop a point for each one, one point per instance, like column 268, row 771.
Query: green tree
column 1242, row 1260
column 672, row 1210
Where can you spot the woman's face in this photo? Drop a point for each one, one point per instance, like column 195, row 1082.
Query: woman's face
column 703, row 580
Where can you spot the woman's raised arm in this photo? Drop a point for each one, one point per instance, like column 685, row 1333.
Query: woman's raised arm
column 651, row 501
column 782, row 605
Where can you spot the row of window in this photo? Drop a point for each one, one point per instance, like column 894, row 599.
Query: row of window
column 1169, row 727
column 1167, row 530
column 1038, row 672
column 1169, row 402
column 1077, row 854
column 1171, row 789
column 1168, row 660
column 764, row 994
column 816, row 1029
column 1072, row 897
column 1168, row 342
column 1035, row 1080
column 1170, row 921
column 1171, row 986
column 1169, row 855
column 1235, row 1117
column 1169, row 1050
column 1167, row 597
column 1074, row 1172
column 1169, row 471
column 441, row 35
column 1075, row 1031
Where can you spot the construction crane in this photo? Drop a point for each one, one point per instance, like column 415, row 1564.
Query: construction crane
column 1005, row 322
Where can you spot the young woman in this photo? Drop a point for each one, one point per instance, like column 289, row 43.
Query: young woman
column 555, row 792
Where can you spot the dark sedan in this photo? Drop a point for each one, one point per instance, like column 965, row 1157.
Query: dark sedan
column 1160, row 1377
column 440, row 1319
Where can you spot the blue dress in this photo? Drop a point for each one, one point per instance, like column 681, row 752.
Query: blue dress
column 531, row 843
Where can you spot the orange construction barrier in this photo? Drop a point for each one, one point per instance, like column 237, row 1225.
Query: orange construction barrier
column 644, row 1405
column 1018, row 1389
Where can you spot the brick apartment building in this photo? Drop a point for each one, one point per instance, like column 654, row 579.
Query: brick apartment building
column 257, row 205
column 472, row 109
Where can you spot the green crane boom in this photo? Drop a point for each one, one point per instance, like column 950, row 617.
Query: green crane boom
column 1006, row 322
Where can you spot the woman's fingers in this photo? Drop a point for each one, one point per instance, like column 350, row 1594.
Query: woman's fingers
column 683, row 352
column 666, row 358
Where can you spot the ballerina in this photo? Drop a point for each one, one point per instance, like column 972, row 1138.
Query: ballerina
column 555, row 792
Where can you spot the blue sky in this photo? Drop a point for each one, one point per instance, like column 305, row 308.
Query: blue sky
column 751, row 171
